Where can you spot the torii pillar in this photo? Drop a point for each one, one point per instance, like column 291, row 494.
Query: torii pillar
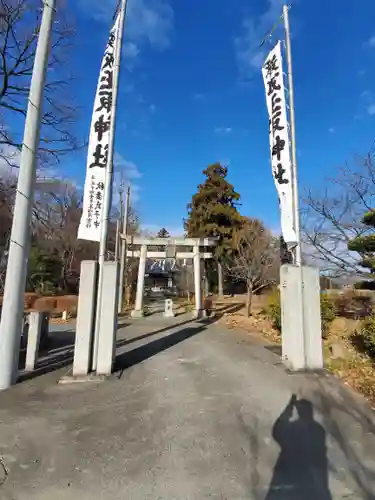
column 198, row 313
column 138, row 310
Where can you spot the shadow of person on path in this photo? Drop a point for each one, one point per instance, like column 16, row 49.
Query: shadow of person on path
column 301, row 471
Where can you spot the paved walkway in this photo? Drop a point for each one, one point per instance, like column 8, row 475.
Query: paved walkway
column 194, row 412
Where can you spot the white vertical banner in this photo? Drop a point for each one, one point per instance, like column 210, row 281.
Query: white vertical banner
column 272, row 72
column 97, row 154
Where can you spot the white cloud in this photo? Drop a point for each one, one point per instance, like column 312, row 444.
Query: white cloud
column 126, row 173
column 130, row 50
column 152, row 108
column 371, row 42
column 369, row 101
column 128, row 168
column 148, row 22
column 331, row 130
column 223, row 130
column 248, row 51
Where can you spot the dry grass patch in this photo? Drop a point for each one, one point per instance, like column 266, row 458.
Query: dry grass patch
column 342, row 359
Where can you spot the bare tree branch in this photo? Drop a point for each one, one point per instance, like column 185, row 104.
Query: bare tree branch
column 255, row 259
column 331, row 220
column 18, row 41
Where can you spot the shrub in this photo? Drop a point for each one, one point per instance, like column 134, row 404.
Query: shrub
column 273, row 309
column 365, row 285
column 327, row 307
column 328, row 313
column 351, row 305
column 364, row 338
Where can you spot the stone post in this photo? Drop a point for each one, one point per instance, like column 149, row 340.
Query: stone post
column 108, row 318
column 220, row 279
column 197, row 282
column 312, row 319
column 85, row 317
column 302, row 347
column 168, row 309
column 138, row 310
column 292, row 324
column 33, row 339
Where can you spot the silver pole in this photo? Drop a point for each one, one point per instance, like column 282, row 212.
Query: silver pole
column 107, row 198
column 12, row 313
column 123, row 251
column 298, row 252
column 117, row 239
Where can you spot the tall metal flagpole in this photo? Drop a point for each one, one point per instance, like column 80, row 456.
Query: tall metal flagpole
column 11, row 317
column 107, row 197
column 124, row 247
column 298, row 250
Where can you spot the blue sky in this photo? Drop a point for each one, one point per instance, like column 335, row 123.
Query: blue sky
column 192, row 94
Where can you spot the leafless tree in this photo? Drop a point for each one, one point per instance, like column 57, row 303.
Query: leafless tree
column 57, row 213
column 332, row 219
column 7, row 193
column 255, row 259
column 185, row 280
column 19, row 28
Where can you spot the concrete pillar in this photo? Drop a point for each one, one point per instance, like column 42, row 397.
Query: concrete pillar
column 220, row 279
column 85, row 317
column 138, row 310
column 205, row 278
column 292, row 325
column 108, row 318
column 312, row 319
column 197, row 282
column 33, row 339
column 302, row 347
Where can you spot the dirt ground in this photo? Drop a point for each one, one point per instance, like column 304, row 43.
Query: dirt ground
column 341, row 357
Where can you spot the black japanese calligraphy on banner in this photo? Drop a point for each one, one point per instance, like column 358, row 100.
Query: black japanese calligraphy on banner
column 91, row 202
column 97, row 154
column 272, row 72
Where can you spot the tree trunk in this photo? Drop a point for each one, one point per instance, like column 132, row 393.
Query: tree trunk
column 220, row 279
column 249, row 299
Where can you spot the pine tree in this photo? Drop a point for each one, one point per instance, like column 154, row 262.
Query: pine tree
column 213, row 210
column 365, row 245
column 163, row 233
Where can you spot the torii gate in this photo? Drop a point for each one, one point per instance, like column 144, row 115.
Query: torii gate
column 137, row 246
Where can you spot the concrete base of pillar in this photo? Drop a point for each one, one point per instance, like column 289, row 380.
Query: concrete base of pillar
column 198, row 314
column 80, row 379
column 169, row 314
column 208, row 314
column 302, row 347
column 137, row 314
column 85, row 317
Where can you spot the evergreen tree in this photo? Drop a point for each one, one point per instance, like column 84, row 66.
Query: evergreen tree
column 163, row 233
column 365, row 245
column 213, row 210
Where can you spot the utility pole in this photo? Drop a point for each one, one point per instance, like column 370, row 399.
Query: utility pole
column 12, row 313
column 124, row 247
column 298, row 250
column 107, row 200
